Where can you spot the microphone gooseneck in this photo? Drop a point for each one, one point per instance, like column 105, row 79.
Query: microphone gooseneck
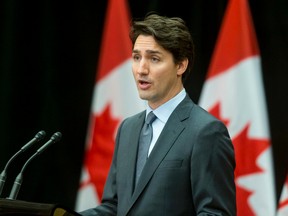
column 39, row 136
column 18, row 181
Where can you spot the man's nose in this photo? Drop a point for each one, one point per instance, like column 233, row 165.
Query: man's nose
column 143, row 67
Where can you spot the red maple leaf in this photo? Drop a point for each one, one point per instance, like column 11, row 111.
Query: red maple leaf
column 215, row 111
column 284, row 202
column 99, row 156
column 247, row 151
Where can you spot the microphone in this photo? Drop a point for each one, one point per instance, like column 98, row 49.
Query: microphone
column 18, row 181
column 39, row 136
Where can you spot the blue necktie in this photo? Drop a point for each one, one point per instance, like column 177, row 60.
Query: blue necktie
column 144, row 144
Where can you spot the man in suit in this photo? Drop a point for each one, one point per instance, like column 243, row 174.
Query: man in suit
column 189, row 168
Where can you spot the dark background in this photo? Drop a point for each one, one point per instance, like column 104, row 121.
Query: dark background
column 48, row 58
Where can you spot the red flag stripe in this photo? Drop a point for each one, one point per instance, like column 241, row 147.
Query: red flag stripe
column 237, row 39
column 114, row 48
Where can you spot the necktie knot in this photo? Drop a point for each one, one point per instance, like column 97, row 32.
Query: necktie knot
column 150, row 118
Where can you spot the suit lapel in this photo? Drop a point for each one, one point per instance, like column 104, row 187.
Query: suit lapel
column 173, row 128
column 131, row 158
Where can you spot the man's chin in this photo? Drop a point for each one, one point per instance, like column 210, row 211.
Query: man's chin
column 143, row 96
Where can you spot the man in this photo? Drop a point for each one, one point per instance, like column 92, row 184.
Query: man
column 189, row 168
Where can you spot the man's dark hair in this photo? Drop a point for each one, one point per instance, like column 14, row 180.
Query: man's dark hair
column 170, row 33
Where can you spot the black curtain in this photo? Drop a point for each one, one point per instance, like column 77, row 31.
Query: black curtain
column 48, row 58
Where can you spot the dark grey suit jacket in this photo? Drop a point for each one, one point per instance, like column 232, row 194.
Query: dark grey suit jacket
column 190, row 171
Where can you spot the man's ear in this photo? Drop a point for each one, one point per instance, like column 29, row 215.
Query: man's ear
column 182, row 66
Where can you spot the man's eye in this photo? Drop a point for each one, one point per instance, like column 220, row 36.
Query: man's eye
column 136, row 57
column 154, row 59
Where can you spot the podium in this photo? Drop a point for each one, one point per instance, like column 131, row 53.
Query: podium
column 10, row 207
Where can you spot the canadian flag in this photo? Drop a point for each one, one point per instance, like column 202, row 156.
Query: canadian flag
column 283, row 202
column 115, row 97
column 233, row 92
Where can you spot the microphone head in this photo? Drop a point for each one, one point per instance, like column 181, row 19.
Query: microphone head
column 40, row 135
column 56, row 136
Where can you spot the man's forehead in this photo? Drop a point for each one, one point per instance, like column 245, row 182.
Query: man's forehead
column 147, row 44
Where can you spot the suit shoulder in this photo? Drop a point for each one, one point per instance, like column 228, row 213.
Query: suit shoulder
column 203, row 114
column 134, row 117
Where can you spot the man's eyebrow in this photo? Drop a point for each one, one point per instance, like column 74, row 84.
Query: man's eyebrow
column 148, row 51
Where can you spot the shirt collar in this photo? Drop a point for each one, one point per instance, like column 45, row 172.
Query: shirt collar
column 164, row 111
